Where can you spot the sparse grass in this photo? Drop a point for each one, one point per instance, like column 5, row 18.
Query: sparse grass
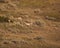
column 34, row 3
column 22, row 36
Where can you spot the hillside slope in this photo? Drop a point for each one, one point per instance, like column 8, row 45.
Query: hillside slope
column 29, row 23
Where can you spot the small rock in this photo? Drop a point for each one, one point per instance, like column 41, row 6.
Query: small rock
column 50, row 18
column 37, row 11
column 14, row 42
column 5, row 42
column 38, row 23
column 38, row 38
column 19, row 18
column 27, row 24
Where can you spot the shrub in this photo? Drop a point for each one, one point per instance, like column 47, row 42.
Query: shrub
column 4, row 19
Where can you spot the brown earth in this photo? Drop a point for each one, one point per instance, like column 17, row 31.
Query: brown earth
column 29, row 23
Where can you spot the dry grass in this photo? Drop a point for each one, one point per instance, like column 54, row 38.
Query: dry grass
column 29, row 26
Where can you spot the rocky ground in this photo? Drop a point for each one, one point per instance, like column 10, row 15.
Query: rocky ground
column 29, row 24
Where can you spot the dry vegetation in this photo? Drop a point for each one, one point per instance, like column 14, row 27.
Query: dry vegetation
column 29, row 23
